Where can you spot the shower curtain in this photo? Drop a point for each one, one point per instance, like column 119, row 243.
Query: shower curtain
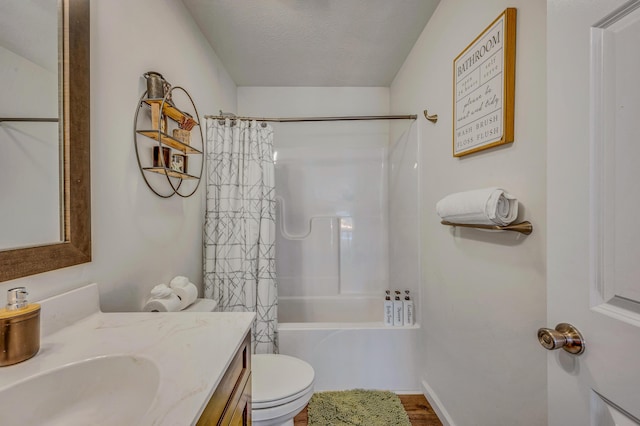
column 239, row 233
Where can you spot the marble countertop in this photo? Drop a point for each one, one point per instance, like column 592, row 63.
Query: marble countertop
column 191, row 350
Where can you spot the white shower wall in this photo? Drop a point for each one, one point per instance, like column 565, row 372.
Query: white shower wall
column 404, row 201
column 332, row 237
column 332, row 183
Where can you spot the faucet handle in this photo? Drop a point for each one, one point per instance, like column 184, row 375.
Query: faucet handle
column 16, row 298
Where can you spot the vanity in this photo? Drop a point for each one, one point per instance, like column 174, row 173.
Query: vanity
column 176, row 368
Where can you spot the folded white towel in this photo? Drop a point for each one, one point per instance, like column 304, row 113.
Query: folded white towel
column 162, row 299
column 179, row 281
column 185, row 290
column 489, row 206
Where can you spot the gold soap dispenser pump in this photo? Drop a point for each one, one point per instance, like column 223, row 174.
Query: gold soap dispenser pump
column 19, row 328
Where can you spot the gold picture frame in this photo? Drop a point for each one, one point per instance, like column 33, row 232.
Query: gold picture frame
column 484, row 88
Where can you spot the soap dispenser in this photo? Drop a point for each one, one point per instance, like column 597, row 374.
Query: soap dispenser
column 398, row 310
column 408, row 309
column 388, row 308
column 19, row 328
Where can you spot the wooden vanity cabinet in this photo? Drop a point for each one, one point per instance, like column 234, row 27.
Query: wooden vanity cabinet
column 231, row 401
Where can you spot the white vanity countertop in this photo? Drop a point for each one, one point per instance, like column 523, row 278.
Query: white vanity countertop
column 192, row 350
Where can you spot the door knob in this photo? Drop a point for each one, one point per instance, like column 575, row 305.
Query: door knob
column 565, row 336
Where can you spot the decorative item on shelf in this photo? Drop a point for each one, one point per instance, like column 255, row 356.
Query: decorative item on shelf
column 179, row 163
column 187, row 122
column 155, row 85
column 164, row 160
column 182, row 135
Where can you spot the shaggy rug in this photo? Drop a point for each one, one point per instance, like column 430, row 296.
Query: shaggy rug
column 356, row 408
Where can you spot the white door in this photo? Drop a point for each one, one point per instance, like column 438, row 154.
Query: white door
column 593, row 184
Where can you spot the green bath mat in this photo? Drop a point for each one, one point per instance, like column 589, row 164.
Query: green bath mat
column 357, row 408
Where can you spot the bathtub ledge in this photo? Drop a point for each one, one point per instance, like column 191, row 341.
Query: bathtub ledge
column 342, row 325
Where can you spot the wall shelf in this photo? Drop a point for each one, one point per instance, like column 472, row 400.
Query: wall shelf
column 169, row 172
column 169, row 141
column 169, row 109
column 151, row 130
column 523, row 227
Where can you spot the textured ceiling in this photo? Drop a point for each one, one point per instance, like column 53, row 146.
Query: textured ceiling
column 312, row 42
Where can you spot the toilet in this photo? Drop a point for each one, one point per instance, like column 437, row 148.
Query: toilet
column 281, row 385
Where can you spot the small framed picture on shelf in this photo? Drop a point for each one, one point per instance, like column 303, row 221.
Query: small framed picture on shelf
column 179, row 163
column 164, row 160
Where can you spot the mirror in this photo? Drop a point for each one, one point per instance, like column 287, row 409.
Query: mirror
column 74, row 244
column 29, row 123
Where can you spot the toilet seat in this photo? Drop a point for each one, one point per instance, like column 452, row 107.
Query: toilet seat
column 281, row 414
column 279, row 379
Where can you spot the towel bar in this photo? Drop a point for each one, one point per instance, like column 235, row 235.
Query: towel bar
column 523, row 227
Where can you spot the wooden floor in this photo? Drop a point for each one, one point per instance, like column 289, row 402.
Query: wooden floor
column 419, row 411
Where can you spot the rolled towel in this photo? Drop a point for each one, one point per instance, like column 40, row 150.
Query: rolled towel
column 162, row 299
column 179, row 281
column 489, row 206
column 188, row 293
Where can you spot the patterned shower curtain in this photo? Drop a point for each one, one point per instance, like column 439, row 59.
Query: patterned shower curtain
column 239, row 233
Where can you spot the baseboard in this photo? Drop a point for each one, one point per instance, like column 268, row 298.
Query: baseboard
column 437, row 405
column 408, row 392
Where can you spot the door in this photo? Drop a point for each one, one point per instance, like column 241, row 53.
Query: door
column 593, row 186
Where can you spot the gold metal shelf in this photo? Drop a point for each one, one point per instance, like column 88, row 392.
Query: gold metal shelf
column 169, row 172
column 170, row 141
column 523, row 227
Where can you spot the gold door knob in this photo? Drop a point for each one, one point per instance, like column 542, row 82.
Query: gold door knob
column 565, row 336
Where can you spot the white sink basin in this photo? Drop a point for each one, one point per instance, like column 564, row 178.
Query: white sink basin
column 107, row 390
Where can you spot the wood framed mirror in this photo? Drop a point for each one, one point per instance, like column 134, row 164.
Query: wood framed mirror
column 75, row 245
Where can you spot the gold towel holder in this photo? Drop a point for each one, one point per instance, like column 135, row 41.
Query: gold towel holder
column 523, row 227
column 432, row 118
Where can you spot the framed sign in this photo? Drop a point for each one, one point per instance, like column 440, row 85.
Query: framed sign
column 484, row 88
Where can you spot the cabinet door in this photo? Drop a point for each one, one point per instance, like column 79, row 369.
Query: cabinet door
column 234, row 390
column 242, row 412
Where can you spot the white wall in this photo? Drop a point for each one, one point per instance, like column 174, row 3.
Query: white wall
column 139, row 239
column 483, row 293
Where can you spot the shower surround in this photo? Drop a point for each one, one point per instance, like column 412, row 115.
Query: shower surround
column 342, row 236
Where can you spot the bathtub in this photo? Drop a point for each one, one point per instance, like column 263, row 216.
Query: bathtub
column 346, row 342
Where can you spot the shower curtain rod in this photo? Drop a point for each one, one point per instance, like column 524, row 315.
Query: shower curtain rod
column 300, row 119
